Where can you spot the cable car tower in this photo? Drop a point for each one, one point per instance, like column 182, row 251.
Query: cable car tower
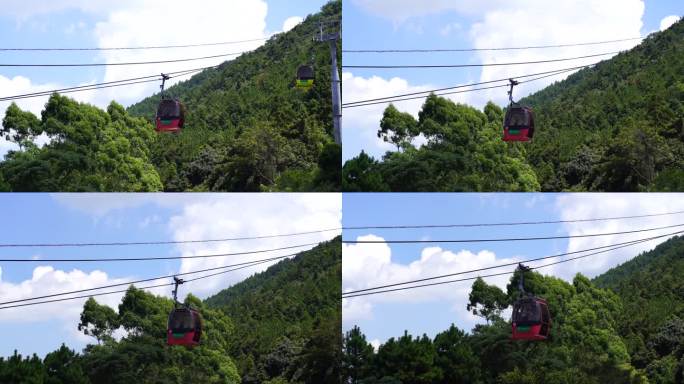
column 329, row 30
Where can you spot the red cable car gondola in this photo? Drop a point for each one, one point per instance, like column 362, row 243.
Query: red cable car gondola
column 170, row 115
column 519, row 120
column 184, row 327
column 531, row 318
column 185, row 324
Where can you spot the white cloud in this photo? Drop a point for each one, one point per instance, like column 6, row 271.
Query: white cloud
column 147, row 23
column 375, row 343
column 538, row 22
column 20, row 85
column 581, row 205
column 667, row 22
column 236, row 215
column 370, row 265
column 535, row 22
column 291, row 22
column 47, row 280
column 134, row 23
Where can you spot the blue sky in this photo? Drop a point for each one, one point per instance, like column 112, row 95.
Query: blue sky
column 432, row 310
column 389, row 24
column 100, row 23
column 62, row 218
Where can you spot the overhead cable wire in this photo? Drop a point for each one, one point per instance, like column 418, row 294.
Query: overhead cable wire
column 511, row 239
column 486, row 49
column 147, row 280
column 494, row 274
column 461, row 91
column 626, row 243
column 456, row 92
column 122, row 290
column 110, row 259
column 108, row 84
column 463, row 86
column 512, row 223
column 432, row 66
column 126, row 63
column 136, row 48
column 453, row 225
column 163, row 242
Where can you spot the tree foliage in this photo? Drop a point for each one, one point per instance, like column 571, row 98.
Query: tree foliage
column 585, row 344
column 289, row 319
column 247, row 129
column 618, row 126
column 89, row 149
column 280, row 326
column 464, row 152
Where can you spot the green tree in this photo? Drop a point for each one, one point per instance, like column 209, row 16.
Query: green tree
column 98, row 321
column 63, row 366
column 357, row 357
column 455, row 357
column 361, row 174
column 90, row 150
column 398, row 128
column 487, row 301
column 20, row 127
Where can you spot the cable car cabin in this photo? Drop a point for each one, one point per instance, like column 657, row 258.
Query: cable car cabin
column 518, row 124
column 531, row 319
column 305, row 77
column 170, row 116
column 184, row 327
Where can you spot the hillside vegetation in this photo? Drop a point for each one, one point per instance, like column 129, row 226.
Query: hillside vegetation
column 624, row 327
column 289, row 319
column 651, row 287
column 618, row 126
column 279, row 326
column 247, row 129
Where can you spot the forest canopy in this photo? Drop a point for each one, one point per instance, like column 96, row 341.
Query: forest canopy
column 618, row 126
column 280, row 326
column 247, row 128
column 625, row 326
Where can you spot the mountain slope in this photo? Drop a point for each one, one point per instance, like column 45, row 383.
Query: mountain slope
column 617, row 126
column 651, row 287
column 287, row 318
column 246, row 123
column 247, row 129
